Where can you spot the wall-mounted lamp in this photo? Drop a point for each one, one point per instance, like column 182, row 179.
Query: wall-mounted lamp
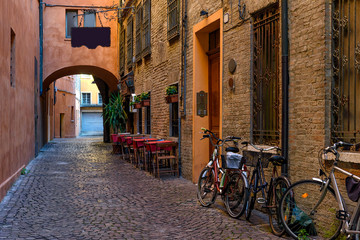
column 203, row 13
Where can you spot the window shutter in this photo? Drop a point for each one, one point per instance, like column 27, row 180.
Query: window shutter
column 147, row 28
column 129, row 42
column 138, row 46
column 173, row 19
column 122, row 50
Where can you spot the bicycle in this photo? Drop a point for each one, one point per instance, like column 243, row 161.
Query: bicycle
column 278, row 184
column 315, row 209
column 230, row 181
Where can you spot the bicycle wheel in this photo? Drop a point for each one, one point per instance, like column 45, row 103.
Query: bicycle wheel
column 206, row 192
column 252, row 197
column 236, row 194
column 357, row 236
column 299, row 217
column 276, row 191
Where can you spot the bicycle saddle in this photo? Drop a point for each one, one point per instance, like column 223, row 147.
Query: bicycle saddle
column 277, row 160
column 232, row 149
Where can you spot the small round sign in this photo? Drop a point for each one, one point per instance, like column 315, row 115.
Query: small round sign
column 232, row 66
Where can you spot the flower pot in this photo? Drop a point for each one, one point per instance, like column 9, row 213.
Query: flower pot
column 172, row 98
column 145, row 103
column 137, row 105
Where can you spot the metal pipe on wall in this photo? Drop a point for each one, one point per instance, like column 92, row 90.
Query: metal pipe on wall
column 285, row 84
column 41, row 44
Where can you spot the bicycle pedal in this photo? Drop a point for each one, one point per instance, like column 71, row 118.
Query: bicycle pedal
column 261, row 200
column 342, row 215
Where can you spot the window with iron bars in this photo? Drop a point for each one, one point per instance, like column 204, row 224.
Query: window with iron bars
column 346, row 71
column 138, row 35
column 146, row 28
column 173, row 19
column 129, row 42
column 265, row 99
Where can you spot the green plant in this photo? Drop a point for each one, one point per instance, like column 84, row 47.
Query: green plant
column 24, row 171
column 137, row 99
column 114, row 113
column 171, row 90
column 303, row 235
column 144, row 96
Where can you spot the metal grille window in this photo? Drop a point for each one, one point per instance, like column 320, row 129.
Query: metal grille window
column 71, row 21
column 147, row 120
column 122, row 51
column 173, row 18
column 147, row 28
column 138, row 47
column 139, row 125
column 85, row 98
column 266, row 76
column 129, row 42
column 346, row 71
column 174, row 119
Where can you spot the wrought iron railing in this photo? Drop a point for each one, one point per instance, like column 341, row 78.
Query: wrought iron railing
column 266, row 76
column 346, row 71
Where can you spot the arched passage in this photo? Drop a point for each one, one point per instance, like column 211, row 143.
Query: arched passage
column 103, row 74
column 104, row 79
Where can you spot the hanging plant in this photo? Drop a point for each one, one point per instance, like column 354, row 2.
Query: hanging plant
column 145, row 99
column 114, row 113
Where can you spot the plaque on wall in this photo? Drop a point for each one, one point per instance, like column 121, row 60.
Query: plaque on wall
column 201, row 104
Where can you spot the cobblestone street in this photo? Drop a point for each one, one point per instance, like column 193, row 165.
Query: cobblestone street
column 76, row 189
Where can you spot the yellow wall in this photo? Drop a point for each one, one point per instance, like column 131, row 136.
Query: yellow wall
column 88, row 86
column 200, row 83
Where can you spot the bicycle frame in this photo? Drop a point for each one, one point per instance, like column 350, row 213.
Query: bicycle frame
column 216, row 166
column 331, row 180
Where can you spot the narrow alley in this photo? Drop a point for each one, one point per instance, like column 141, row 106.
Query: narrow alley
column 76, row 189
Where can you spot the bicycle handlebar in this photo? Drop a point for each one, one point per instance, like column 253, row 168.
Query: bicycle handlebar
column 333, row 148
column 261, row 149
column 218, row 140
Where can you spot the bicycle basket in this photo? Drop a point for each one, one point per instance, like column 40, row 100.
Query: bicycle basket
column 232, row 160
column 352, row 188
column 252, row 157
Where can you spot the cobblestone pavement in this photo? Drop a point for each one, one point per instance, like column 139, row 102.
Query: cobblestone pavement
column 77, row 190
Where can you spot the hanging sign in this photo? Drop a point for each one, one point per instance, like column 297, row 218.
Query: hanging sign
column 91, row 37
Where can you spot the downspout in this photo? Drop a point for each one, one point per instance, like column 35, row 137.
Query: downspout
column 41, row 44
column 285, row 84
column 183, row 87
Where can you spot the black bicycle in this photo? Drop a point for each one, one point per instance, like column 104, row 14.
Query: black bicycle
column 270, row 194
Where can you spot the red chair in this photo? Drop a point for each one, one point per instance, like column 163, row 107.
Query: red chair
column 166, row 160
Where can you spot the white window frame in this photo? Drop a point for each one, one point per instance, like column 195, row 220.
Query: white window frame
column 67, row 33
column 98, row 100
column 82, row 102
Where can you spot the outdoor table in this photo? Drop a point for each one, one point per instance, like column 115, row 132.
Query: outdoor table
column 139, row 150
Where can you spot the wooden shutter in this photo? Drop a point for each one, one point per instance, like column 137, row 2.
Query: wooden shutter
column 138, row 47
column 129, row 42
column 147, row 28
column 173, row 19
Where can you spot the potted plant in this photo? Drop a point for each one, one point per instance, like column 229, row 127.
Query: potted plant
column 114, row 113
column 145, row 99
column 136, row 103
column 172, row 94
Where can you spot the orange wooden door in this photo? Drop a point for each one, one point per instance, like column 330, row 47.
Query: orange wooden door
column 214, row 94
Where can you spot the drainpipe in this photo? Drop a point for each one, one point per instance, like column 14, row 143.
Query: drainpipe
column 41, row 44
column 183, row 88
column 285, row 84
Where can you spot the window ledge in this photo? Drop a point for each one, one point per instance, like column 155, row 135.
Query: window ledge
column 352, row 157
column 67, row 39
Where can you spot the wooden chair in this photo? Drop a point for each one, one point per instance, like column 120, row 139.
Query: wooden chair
column 166, row 159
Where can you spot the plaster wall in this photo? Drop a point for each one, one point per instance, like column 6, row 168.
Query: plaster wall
column 60, row 59
column 17, row 111
column 65, row 104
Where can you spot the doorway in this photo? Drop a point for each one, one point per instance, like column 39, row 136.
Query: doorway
column 62, row 125
column 207, row 75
